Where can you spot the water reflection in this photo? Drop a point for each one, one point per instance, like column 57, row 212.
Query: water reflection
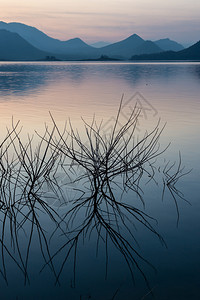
column 28, row 91
column 25, row 78
column 79, row 89
column 92, row 181
column 196, row 71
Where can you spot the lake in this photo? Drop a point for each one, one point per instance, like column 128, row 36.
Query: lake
column 168, row 92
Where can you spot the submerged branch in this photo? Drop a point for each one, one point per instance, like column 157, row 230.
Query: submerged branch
column 99, row 171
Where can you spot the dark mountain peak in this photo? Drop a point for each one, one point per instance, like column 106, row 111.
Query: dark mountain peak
column 122, row 49
column 134, row 37
column 131, row 40
column 76, row 40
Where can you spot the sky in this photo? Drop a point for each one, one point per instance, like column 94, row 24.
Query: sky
column 108, row 20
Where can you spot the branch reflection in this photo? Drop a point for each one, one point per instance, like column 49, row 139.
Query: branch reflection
column 95, row 180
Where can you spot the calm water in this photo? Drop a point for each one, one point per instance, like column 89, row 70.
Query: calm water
column 169, row 91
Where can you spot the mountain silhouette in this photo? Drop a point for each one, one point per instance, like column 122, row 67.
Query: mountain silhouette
column 14, row 47
column 73, row 48
column 78, row 49
column 29, row 43
column 147, row 47
column 190, row 53
column 168, row 45
column 122, row 49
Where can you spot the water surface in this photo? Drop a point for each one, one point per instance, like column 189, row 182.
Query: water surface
column 169, row 91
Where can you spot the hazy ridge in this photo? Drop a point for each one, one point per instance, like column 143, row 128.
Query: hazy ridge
column 29, row 43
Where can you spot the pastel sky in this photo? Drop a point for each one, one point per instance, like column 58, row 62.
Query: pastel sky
column 108, row 20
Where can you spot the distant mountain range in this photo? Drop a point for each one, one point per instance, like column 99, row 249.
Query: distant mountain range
column 73, row 48
column 134, row 44
column 191, row 53
column 76, row 48
column 22, row 42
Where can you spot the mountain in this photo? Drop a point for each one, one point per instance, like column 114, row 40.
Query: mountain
column 100, row 44
column 147, row 47
column 78, row 49
column 29, row 43
column 134, row 44
column 73, row 48
column 190, row 53
column 168, row 45
column 122, row 49
column 187, row 45
column 14, row 47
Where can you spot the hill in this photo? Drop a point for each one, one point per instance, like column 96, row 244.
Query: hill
column 122, row 49
column 73, row 48
column 32, row 44
column 147, row 47
column 14, row 47
column 190, row 53
column 134, row 44
column 78, row 49
column 169, row 45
